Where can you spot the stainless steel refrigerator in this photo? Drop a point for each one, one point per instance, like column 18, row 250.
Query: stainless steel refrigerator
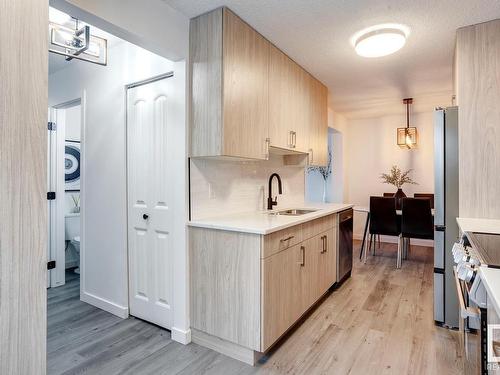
column 446, row 211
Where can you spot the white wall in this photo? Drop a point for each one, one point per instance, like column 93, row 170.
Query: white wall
column 337, row 178
column 371, row 149
column 72, row 123
column 72, row 132
column 104, row 214
column 225, row 187
column 335, row 182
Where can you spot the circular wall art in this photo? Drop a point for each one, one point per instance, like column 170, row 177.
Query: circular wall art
column 72, row 165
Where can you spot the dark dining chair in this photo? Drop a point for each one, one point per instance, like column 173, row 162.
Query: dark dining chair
column 416, row 222
column 383, row 218
column 425, row 196
column 378, row 236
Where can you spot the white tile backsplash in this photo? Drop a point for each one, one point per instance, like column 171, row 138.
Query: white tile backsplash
column 220, row 187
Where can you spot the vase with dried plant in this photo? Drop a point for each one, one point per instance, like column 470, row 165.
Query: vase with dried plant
column 324, row 171
column 398, row 178
column 76, row 202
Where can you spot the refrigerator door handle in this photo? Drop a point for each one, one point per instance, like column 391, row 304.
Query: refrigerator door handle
column 440, row 228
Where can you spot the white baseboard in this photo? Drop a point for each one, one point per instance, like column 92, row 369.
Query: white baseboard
column 104, row 304
column 181, row 336
column 392, row 239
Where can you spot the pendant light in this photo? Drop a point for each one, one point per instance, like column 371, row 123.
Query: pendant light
column 407, row 137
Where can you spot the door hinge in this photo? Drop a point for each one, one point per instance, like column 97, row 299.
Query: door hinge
column 51, row 125
column 51, row 264
column 51, row 195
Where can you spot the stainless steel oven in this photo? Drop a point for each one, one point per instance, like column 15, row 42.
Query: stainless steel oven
column 477, row 251
column 471, row 318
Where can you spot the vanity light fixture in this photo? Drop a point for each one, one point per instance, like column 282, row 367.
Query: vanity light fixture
column 69, row 37
column 380, row 40
column 407, row 137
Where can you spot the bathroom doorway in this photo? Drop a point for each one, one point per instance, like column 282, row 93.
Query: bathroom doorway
column 64, row 181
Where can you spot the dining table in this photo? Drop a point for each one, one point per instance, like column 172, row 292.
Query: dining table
column 365, row 209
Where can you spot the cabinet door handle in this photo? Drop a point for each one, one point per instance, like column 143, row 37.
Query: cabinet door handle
column 326, row 244
column 266, row 148
column 302, row 256
column 287, row 239
column 311, row 152
column 294, row 139
column 291, row 143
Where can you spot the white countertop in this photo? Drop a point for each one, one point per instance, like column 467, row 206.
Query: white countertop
column 261, row 222
column 479, row 225
column 491, row 281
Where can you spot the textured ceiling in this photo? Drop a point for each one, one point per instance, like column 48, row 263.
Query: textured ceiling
column 316, row 33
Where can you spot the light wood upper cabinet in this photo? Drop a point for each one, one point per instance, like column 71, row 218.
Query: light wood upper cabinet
column 318, row 123
column 477, row 82
column 282, row 103
column 229, row 87
column 245, row 84
column 288, row 103
column 246, row 94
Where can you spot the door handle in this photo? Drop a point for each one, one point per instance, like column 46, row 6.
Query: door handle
column 145, row 216
column 303, row 256
column 325, row 244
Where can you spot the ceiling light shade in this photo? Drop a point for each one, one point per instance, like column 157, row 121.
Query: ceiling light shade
column 380, row 40
column 77, row 43
column 407, row 138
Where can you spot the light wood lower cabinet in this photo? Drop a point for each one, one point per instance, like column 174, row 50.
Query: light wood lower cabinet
column 283, row 275
column 248, row 290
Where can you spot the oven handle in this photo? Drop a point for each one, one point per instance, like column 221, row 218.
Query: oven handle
column 465, row 312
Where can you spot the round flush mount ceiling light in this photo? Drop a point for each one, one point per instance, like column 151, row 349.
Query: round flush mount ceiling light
column 380, row 40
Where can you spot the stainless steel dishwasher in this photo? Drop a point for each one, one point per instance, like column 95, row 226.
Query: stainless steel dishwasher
column 344, row 255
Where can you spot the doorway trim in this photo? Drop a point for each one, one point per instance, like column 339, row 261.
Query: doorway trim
column 158, row 77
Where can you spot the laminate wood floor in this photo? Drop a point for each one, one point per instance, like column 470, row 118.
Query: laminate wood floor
column 379, row 322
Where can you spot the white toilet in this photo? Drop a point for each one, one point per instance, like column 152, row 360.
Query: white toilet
column 72, row 234
column 76, row 245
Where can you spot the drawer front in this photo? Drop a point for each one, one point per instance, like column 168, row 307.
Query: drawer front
column 315, row 227
column 281, row 240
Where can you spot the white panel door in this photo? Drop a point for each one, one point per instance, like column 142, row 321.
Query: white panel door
column 150, row 216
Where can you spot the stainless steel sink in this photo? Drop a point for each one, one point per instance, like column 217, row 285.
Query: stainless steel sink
column 293, row 212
